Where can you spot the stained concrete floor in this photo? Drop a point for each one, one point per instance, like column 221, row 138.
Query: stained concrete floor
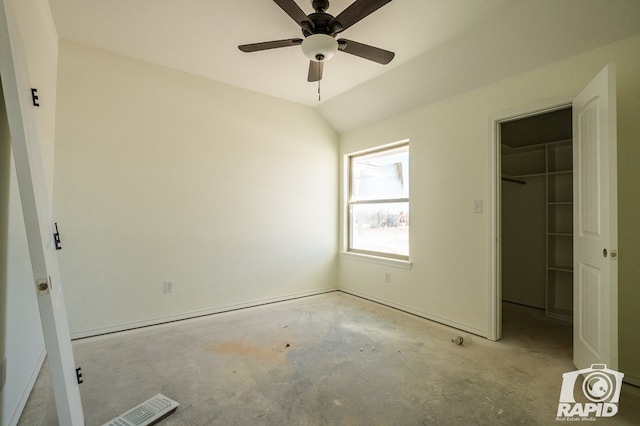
column 331, row 359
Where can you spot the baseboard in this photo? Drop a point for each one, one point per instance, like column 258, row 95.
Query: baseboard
column 194, row 314
column 22, row 402
column 435, row 318
column 635, row 381
column 522, row 302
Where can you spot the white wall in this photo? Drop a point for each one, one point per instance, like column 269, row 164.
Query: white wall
column 22, row 342
column 161, row 175
column 450, row 142
column 40, row 42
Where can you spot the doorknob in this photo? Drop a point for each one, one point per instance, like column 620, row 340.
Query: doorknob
column 42, row 286
column 604, row 252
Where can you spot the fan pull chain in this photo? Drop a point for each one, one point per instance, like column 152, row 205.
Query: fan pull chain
column 319, row 91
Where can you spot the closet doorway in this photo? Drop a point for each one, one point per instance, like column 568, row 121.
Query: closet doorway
column 537, row 223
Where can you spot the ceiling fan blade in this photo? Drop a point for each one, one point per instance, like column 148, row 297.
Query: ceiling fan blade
column 292, row 9
column 265, row 45
column 358, row 10
column 315, row 71
column 365, row 51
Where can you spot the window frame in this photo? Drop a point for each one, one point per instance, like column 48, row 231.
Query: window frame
column 350, row 202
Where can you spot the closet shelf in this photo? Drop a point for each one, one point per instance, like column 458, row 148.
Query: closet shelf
column 537, row 146
column 560, row 203
column 507, row 150
column 529, row 175
column 562, row 142
column 568, row 269
column 561, row 234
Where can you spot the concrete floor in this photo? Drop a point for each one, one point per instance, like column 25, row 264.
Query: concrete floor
column 324, row 360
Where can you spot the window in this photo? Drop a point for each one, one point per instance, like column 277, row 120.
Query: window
column 378, row 202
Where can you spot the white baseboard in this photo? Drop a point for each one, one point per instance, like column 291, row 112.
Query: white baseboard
column 444, row 321
column 635, row 381
column 522, row 302
column 194, row 314
column 22, row 402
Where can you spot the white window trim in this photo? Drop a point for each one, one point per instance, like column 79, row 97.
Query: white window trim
column 388, row 261
column 374, row 258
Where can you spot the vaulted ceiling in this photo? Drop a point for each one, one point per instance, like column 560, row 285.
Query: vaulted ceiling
column 443, row 47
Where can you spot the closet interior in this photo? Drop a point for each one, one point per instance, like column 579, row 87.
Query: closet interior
column 537, row 212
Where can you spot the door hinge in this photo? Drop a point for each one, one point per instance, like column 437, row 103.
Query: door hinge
column 56, row 238
column 34, row 97
column 79, row 375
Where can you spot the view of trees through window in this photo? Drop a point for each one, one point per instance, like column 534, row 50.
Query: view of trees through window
column 379, row 202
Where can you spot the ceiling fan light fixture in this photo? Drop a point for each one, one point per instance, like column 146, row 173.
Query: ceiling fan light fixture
column 319, row 47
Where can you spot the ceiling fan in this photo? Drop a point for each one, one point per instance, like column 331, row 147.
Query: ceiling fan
column 320, row 30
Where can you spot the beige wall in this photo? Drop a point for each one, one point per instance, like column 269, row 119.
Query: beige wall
column 40, row 42
column 629, row 209
column 164, row 176
column 450, row 154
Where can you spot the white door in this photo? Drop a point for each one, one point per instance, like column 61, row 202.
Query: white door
column 595, row 287
column 37, row 218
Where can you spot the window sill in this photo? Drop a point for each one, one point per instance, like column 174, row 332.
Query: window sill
column 404, row 264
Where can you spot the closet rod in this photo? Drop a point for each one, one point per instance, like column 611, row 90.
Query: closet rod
column 514, row 180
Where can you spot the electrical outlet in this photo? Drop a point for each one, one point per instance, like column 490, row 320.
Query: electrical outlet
column 168, row 287
column 387, row 277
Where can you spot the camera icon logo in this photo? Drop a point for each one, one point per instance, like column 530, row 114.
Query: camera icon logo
column 600, row 386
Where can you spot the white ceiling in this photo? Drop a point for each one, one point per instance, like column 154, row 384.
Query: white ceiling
column 442, row 47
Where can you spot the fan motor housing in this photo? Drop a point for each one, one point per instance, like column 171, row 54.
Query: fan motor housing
column 321, row 22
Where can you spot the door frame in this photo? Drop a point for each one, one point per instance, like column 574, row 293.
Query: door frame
column 495, row 201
